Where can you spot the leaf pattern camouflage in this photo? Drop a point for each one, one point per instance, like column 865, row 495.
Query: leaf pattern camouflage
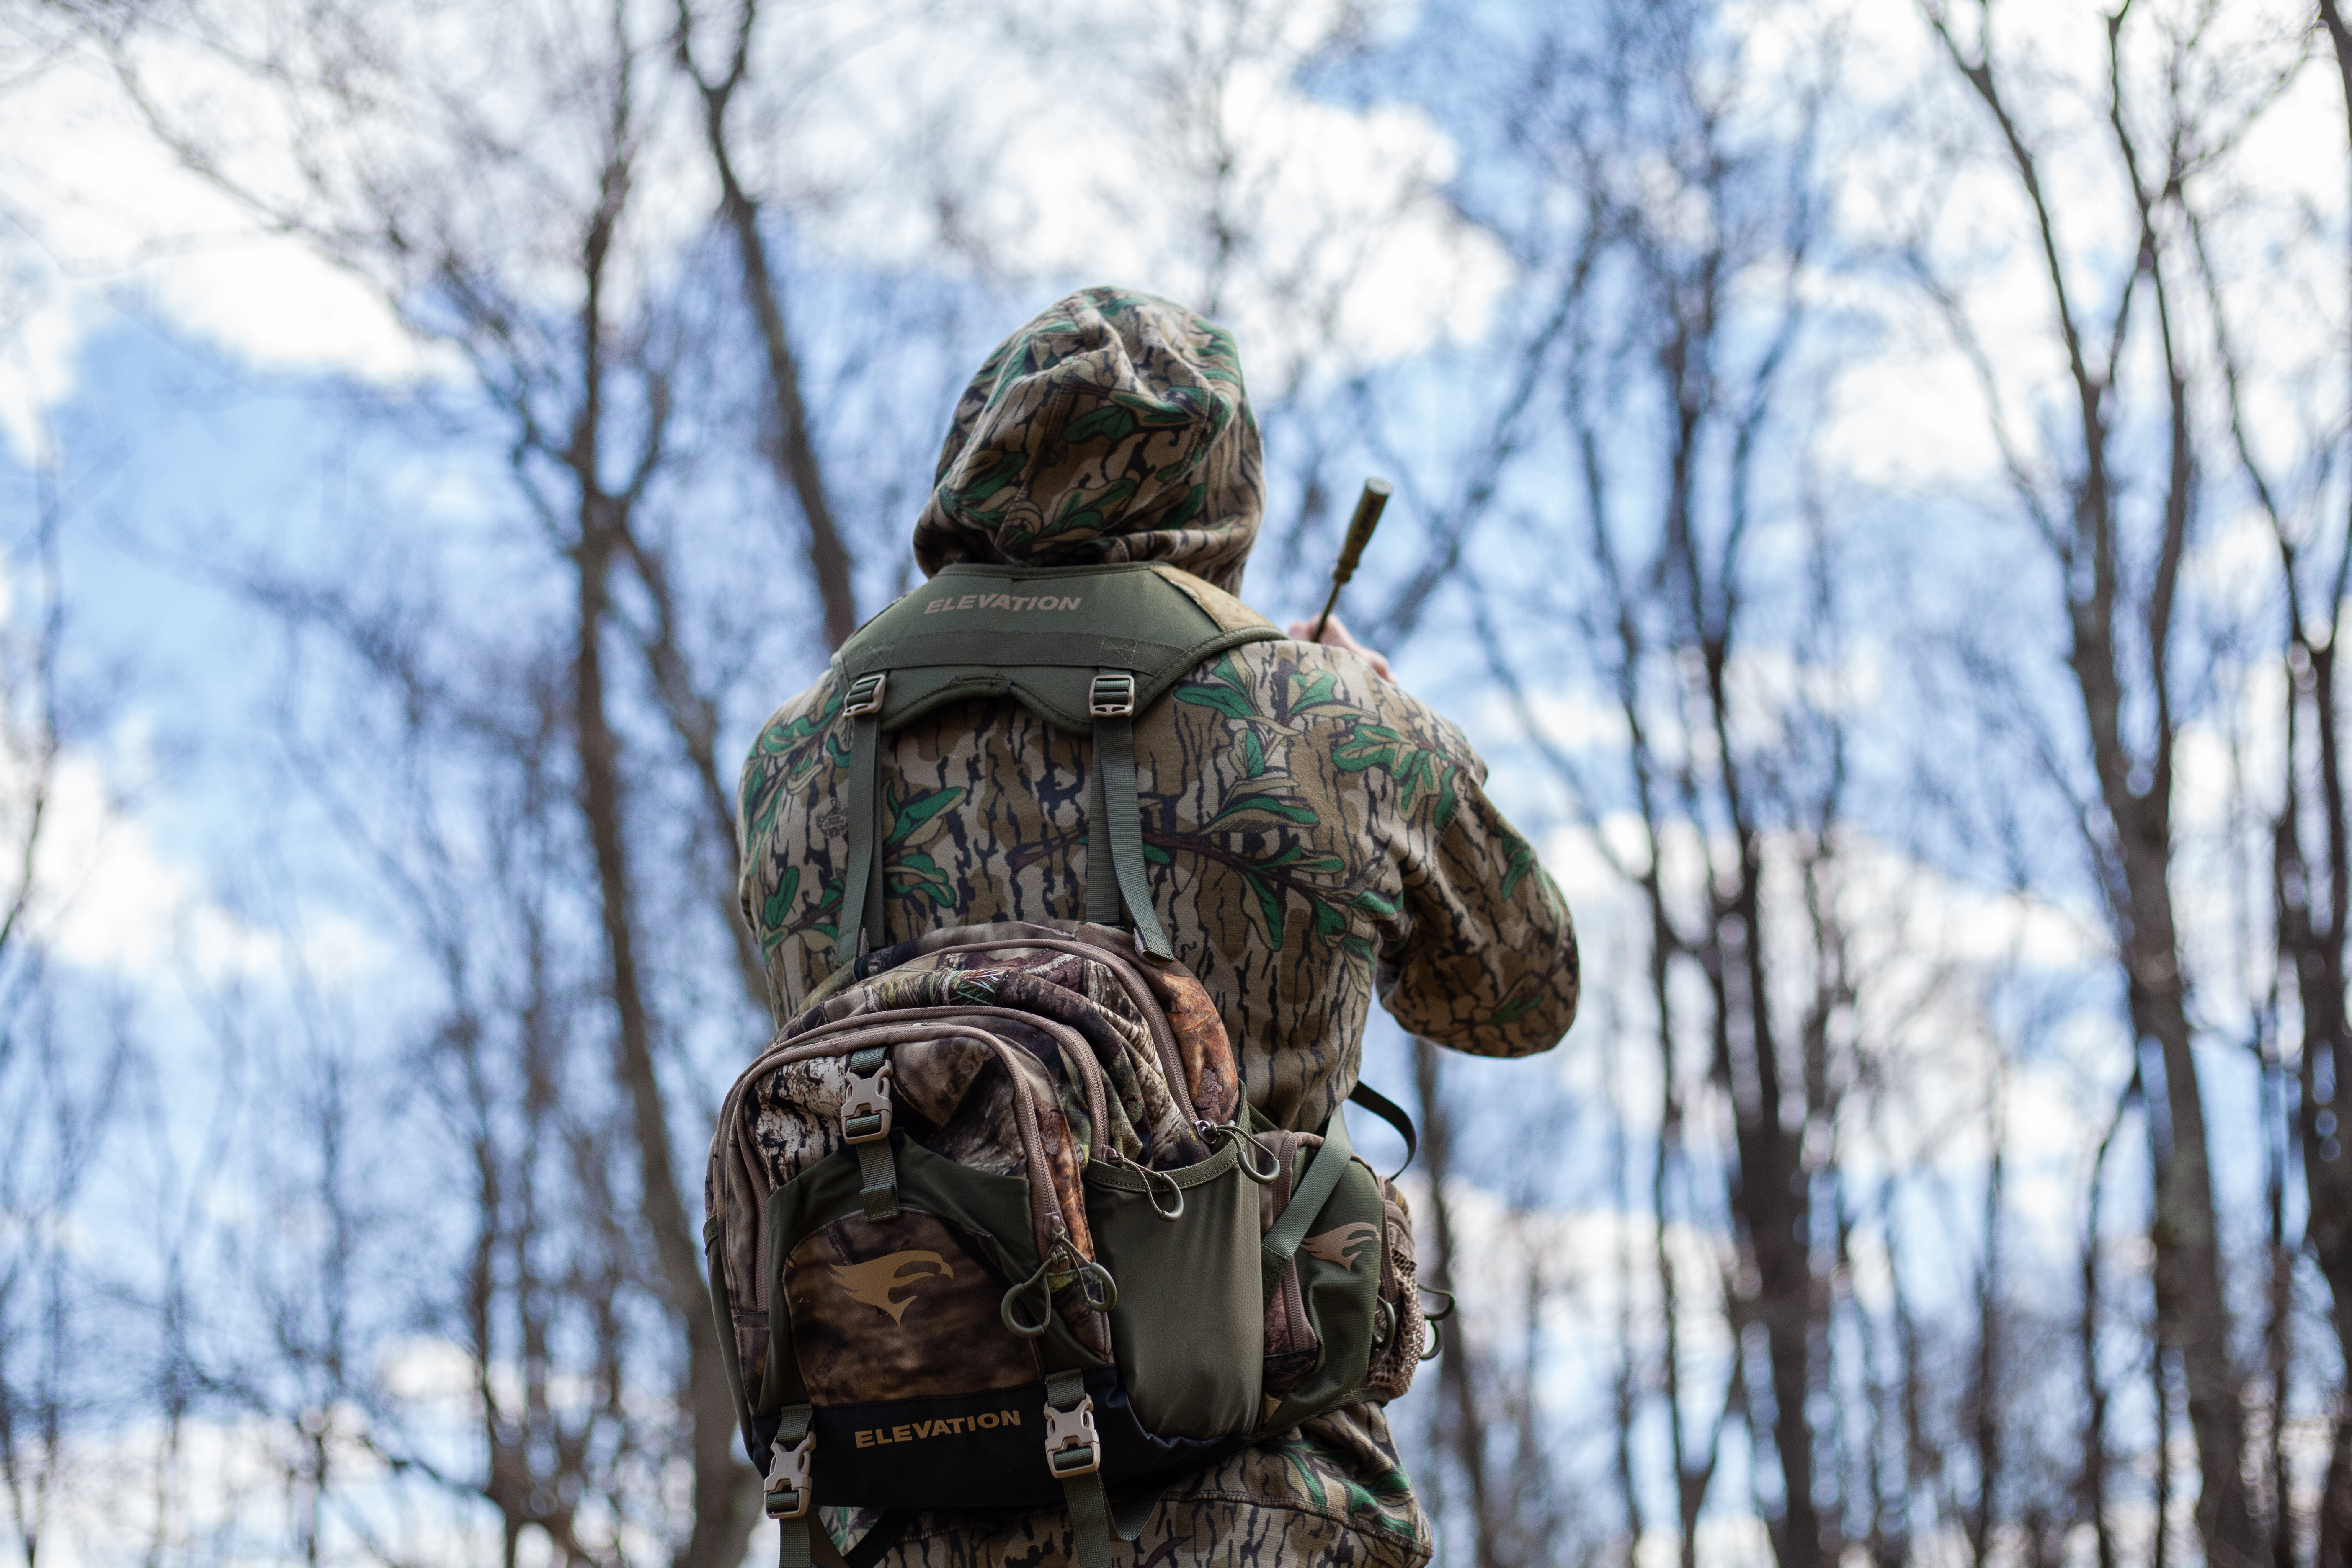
column 1112, row 428
column 1315, row 837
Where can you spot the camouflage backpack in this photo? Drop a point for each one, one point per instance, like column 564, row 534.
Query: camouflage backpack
column 991, row 1222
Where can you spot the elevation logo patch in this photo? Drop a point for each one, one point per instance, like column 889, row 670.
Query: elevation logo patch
column 874, row 1282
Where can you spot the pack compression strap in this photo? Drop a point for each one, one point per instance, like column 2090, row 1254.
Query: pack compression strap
column 1074, row 1453
column 1313, row 1190
column 1111, row 704
column 865, row 1127
column 861, row 892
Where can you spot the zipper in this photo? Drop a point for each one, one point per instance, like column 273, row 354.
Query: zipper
column 855, row 1033
column 1138, row 991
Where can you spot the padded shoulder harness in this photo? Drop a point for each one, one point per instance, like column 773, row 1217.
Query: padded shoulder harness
column 1084, row 647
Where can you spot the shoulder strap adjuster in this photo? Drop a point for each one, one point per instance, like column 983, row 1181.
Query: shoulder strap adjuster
column 866, row 695
column 1112, row 694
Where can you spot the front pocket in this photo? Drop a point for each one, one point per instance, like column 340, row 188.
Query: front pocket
column 899, row 1309
column 962, row 1215
column 1187, row 1330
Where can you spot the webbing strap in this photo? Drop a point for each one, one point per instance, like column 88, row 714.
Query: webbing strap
column 794, row 1547
column 1121, row 818
column 1089, row 1504
column 877, row 1167
column 1102, row 882
column 861, row 892
column 1314, row 1188
column 1089, row 1520
column 877, row 1175
column 1390, row 1111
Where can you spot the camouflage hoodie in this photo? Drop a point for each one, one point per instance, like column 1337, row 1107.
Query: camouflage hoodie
column 1315, row 836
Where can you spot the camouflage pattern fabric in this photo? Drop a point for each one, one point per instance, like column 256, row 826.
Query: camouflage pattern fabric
column 1112, row 427
column 1315, row 836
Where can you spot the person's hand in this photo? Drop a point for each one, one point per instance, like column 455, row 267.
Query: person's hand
column 1334, row 634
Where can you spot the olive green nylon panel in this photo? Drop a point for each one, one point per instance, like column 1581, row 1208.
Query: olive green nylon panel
column 1189, row 1330
column 1036, row 634
column 1341, row 1294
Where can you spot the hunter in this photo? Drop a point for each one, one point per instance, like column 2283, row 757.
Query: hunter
column 1315, row 836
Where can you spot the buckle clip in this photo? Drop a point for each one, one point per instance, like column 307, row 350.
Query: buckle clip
column 1112, row 694
column 1071, row 1446
column 866, row 1107
column 866, row 694
column 788, row 1494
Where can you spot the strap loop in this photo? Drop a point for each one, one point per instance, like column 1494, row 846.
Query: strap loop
column 1390, row 1111
column 1073, row 1455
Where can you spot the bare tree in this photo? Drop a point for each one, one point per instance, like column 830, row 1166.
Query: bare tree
column 2121, row 598
column 583, row 398
column 1669, row 384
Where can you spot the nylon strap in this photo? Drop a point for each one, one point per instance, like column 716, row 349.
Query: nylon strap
column 1089, row 1520
column 1088, row 1503
column 1102, row 882
column 879, row 1174
column 861, row 892
column 1390, row 1111
column 1122, row 818
column 1315, row 1189
column 794, row 1549
column 1130, row 1513
column 877, row 1167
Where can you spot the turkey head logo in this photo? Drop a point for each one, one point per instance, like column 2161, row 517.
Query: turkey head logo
column 1340, row 1245
column 874, row 1282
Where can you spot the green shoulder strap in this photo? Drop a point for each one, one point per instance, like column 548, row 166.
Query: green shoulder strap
column 1084, row 647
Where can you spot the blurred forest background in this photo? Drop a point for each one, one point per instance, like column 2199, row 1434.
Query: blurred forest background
column 1873, row 478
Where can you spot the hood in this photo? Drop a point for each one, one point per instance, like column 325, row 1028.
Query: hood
column 1112, row 427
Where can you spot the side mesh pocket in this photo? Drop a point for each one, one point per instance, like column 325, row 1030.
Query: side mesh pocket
column 1400, row 1332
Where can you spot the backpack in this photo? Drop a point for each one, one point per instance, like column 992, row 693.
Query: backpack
column 991, row 1222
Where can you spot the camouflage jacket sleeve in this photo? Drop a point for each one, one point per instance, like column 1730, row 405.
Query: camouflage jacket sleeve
column 1485, row 959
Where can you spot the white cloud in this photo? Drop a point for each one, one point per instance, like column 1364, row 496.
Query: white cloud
column 94, row 212
column 890, row 132
column 107, row 896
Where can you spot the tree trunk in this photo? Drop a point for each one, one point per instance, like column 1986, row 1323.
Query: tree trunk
column 1458, row 1380
column 790, row 445
column 723, row 1492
